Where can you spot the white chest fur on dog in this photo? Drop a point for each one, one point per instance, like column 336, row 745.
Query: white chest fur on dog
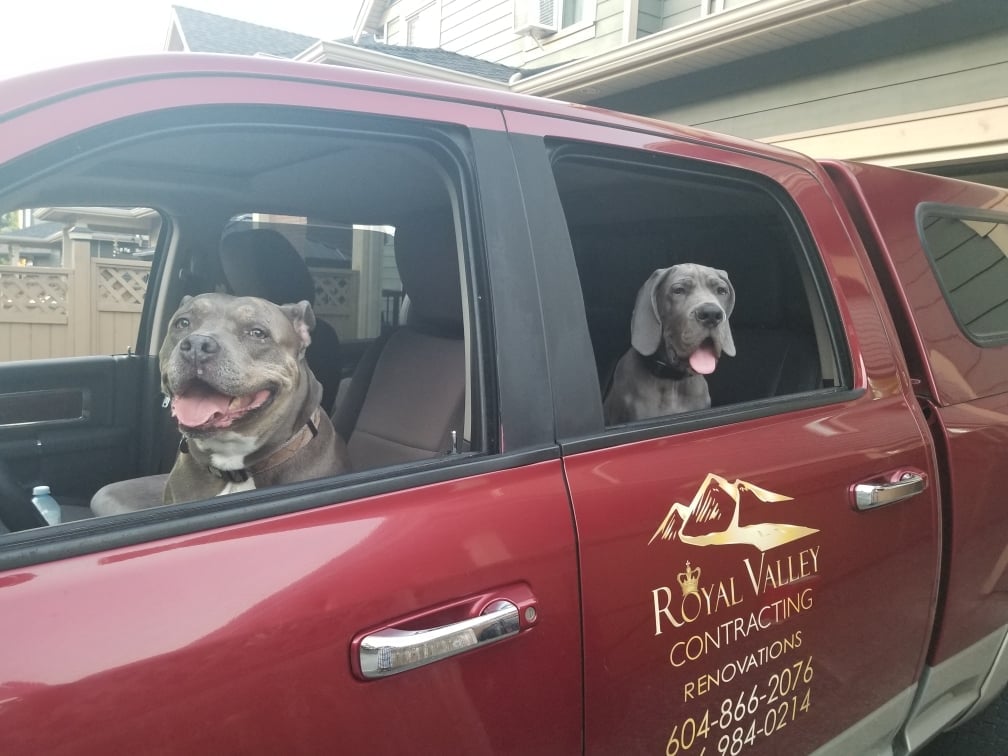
column 228, row 451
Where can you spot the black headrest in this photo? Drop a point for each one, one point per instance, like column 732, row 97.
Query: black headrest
column 426, row 251
column 261, row 262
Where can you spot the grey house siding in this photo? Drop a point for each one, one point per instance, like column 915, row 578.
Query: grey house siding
column 482, row 29
column 941, row 57
column 608, row 29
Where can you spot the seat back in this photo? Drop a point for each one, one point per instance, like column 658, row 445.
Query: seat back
column 775, row 343
column 408, row 393
column 261, row 262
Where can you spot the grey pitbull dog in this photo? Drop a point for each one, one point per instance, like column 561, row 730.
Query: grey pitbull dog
column 678, row 333
column 246, row 402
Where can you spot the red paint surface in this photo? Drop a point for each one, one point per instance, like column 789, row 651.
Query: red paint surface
column 244, row 633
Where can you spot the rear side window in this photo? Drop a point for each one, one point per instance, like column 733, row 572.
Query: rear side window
column 637, row 228
column 969, row 253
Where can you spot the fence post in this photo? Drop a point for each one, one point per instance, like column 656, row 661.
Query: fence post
column 80, row 307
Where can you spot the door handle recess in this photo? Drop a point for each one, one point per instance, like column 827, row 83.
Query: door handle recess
column 390, row 651
column 873, row 495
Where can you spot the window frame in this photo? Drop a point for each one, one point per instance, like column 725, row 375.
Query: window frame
column 825, row 311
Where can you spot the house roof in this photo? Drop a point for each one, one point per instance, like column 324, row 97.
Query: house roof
column 746, row 31
column 199, row 31
column 43, row 232
column 207, row 32
column 433, row 56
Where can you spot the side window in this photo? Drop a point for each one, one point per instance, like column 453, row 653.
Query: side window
column 969, row 254
column 365, row 219
column 73, row 279
column 696, row 286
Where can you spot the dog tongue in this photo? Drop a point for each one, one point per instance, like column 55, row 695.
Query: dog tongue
column 703, row 360
column 201, row 406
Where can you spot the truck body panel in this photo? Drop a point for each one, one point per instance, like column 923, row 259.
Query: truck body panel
column 813, row 564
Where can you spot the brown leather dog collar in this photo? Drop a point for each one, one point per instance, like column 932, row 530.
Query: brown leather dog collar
column 283, row 453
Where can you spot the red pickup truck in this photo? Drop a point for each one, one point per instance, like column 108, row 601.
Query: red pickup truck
column 813, row 563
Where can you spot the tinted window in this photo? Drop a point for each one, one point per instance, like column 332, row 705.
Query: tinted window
column 969, row 259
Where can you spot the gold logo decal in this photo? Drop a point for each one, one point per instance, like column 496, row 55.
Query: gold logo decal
column 712, row 519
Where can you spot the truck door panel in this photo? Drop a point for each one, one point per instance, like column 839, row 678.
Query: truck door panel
column 238, row 639
column 938, row 245
column 733, row 595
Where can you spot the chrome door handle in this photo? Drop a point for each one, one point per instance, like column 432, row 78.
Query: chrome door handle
column 390, row 651
column 874, row 495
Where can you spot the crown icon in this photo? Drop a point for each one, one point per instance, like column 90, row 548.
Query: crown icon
column 689, row 580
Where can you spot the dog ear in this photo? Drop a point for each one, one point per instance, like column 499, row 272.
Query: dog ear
column 302, row 317
column 724, row 330
column 645, row 326
column 731, row 291
column 725, row 338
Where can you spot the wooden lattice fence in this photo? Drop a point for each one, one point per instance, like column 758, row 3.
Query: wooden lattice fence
column 68, row 312
column 95, row 309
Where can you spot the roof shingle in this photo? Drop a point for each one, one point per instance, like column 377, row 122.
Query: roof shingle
column 452, row 61
column 207, row 32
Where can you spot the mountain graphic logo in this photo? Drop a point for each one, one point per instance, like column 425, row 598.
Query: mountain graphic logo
column 712, row 517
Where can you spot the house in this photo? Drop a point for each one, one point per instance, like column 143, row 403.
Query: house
column 915, row 83
column 45, row 235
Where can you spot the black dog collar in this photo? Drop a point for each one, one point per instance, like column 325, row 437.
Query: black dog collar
column 661, row 369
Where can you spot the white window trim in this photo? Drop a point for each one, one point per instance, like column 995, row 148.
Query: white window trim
column 435, row 13
column 576, row 33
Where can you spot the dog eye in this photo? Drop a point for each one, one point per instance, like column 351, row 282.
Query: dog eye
column 258, row 333
column 722, row 290
column 182, row 323
column 678, row 290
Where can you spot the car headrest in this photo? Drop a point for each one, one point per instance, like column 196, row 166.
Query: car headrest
column 261, row 262
column 426, row 252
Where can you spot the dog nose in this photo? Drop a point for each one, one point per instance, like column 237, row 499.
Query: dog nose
column 199, row 347
column 709, row 315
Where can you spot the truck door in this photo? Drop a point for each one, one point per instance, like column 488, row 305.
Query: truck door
column 744, row 585
column 940, row 246
column 426, row 602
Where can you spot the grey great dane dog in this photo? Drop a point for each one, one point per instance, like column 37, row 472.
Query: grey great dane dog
column 246, row 402
column 678, row 332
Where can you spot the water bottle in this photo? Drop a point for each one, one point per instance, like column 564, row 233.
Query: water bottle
column 46, row 504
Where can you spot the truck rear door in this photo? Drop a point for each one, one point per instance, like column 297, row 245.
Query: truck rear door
column 940, row 247
column 738, row 593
